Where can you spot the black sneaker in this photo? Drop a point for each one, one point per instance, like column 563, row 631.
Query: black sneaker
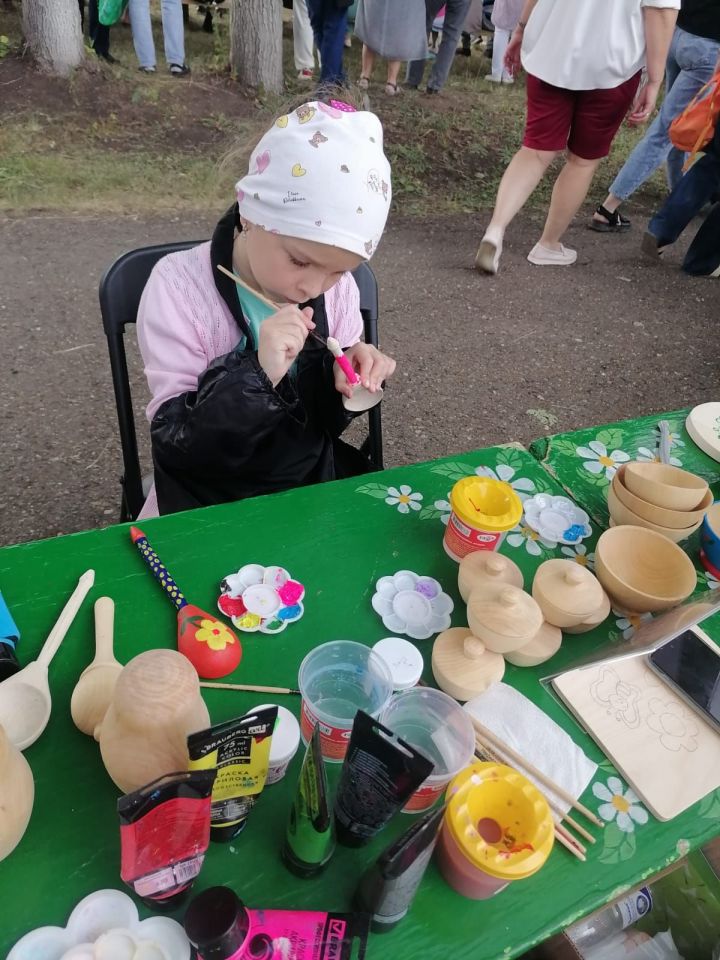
column 179, row 69
column 107, row 57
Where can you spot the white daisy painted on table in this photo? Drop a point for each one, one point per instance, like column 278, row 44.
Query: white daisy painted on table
column 403, row 498
column 629, row 622
column 523, row 536
column 445, row 509
column 523, row 486
column 644, row 455
column 620, row 805
column 580, row 555
column 597, row 460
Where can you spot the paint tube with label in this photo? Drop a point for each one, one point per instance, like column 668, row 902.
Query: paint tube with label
column 240, row 751
column 164, row 834
column 310, row 835
column 387, row 888
column 380, row 771
column 220, row 927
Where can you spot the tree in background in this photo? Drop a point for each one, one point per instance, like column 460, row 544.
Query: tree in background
column 256, row 43
column 53, row 34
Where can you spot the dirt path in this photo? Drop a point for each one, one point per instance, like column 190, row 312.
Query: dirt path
column 481, row 360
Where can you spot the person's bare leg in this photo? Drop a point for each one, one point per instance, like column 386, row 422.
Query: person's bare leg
column 367, row 62
column 393, row 69
column 569, row 192
column 524, row 173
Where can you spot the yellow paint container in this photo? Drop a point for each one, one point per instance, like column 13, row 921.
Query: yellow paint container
column 497, row 828
column 483, row 510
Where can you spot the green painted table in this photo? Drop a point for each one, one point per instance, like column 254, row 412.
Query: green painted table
column 338, row 539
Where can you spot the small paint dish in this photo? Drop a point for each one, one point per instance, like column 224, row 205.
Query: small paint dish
column 412, row 604
column 105, row 926
column 261, row 599
column 403, row 659
column 557, row 519
column 284, row 744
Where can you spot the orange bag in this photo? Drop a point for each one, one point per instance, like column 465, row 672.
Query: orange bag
column 694, row 128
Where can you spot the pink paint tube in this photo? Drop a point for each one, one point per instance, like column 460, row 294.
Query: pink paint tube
column 221, row 928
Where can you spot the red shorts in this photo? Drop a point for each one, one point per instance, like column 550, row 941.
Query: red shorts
column 584, row 121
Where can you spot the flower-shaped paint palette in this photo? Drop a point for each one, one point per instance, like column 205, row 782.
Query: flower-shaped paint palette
column 261, row 599
column 411, row 604
column 557, row 519
column 105, row 924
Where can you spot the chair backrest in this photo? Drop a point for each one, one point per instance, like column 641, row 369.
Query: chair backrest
column 121, row 288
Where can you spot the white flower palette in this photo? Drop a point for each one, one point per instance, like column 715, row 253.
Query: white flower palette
column 105, row 924
column 412, row 605
column 557, row 519
column 261, row 599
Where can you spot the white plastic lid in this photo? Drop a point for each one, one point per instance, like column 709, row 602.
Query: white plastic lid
column 403, row 659
column 286, row 735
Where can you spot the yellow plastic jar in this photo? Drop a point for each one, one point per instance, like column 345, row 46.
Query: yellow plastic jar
column 497, row 828
column 483, row 510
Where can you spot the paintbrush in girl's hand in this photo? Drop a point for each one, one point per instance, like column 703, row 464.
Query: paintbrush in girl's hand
column 331, row 343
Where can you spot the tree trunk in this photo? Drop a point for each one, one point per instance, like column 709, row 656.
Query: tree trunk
column 53, row 34
column 256, row 43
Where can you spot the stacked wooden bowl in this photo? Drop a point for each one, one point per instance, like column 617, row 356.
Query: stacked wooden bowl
column 665, row 499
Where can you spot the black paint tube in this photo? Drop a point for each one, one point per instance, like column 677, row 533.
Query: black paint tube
column 310, row 834
column 164, row 834
column 386, row 890
column 379, row 773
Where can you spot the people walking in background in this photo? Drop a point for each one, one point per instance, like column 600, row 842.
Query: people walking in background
column 394, row 31
column 583, row 64
column 700, row 185
column 455, row 14
column 303, row 41
column 173, row 36
column 694, row 55
column 98, row 33
column 505, row 16
column 329, row 23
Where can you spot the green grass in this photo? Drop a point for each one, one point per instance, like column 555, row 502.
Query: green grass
column 118, row 146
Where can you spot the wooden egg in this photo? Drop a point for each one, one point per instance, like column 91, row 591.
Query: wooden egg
column 567, row 593
column 486, row 567
column 503, row 617
column 17, row 793
column 598, row 617
column 544, row 644
column 660, row 516
column 665, row 486
column 642, row 571
column 462, row 665
column 155, row 705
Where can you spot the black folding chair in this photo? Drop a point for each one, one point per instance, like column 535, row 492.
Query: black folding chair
column 121, row 287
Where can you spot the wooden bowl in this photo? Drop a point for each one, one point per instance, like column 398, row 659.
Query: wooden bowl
column 622, row 516
column 642, row 571
column 660, row 516
column 665, row 486
column 486, row 566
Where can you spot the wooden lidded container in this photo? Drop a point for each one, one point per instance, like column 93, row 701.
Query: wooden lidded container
column 567, row 593
column 17, row 793
column 462, row 665
column 483, row 568
column 503, row 617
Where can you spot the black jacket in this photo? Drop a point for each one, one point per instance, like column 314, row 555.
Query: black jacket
column 237, row 436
